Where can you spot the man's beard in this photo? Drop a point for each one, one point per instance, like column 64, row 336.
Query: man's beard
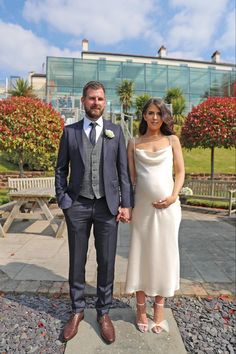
column 94, row 114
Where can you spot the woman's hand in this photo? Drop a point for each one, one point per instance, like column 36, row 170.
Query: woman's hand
column 124, row 215
column 164, row 203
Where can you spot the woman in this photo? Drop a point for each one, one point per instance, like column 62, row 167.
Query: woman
column 153, row 266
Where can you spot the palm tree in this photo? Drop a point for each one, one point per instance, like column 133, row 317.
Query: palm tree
column 175, row 97
column 140, row 102
column 125, row 92
column 21, row 88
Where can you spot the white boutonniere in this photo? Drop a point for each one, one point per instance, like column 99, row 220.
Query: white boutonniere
column 109, row 133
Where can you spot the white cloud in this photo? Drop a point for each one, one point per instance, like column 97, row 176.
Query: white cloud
column 178, row 54
column 195, row 24
column 22, row 51
column 188, row 28
column 104, row 21
column 227, row 40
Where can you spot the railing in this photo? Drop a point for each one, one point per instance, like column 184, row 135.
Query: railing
column 127, row 126
column 71, row 115
column 126, row 122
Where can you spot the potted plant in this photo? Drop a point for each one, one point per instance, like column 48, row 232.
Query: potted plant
column 183, row 194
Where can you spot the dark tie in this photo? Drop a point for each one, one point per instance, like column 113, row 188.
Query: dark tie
column 92, row 134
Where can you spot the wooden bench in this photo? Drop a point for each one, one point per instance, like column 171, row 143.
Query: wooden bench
column 213, row 190
column 38, row 183
column 4, row 210
column 18, row 184
column 32, row 191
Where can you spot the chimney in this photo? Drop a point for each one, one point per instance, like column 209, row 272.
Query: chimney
column 84, row 45
column 31, row 73
column 215, row 58
column 162, row 52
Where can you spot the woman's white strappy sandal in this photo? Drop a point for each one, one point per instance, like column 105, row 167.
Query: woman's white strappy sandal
column 142, row 327
column 158, row 327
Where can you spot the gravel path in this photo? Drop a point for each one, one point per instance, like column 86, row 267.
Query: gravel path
column 32, row 324
column 206, row 325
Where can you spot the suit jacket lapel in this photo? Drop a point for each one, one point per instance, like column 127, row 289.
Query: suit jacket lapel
column 105, row 148
column 79, row 139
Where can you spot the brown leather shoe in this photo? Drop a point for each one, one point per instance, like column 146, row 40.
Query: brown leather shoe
column 71, row 327
column 106, row 328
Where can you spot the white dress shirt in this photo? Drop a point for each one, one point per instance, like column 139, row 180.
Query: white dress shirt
column 87, row 127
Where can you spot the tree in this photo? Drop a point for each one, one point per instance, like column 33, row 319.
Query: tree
column 140, row 102
column 21, row 88
column 211, row 124
column 29, row 132
column 125, row 92
column 175, row 97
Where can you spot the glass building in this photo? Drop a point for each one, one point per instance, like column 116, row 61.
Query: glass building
column 154, row 75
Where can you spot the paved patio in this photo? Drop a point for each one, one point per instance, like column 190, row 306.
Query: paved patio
column 31, row 259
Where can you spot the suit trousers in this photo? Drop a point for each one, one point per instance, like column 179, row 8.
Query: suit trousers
column 79, row 219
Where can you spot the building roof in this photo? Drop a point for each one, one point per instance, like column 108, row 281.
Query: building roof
column 156, row 58
column 38, row 75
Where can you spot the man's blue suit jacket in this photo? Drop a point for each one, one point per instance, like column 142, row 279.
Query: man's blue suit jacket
column 117, row 184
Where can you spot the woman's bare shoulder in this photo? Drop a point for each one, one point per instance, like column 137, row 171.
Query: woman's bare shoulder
column 135, row 140
column 174, row 138
column 131, row 144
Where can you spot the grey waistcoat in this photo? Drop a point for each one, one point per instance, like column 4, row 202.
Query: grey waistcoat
column 93, row 184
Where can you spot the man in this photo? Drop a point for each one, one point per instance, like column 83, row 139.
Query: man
column 98, row 193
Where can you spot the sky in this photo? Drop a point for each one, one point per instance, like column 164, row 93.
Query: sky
column 31, row 30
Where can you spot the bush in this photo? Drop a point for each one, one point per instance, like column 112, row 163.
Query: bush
column 30, row 131
column 136, row 127
column 208, row 203
column 211, row 124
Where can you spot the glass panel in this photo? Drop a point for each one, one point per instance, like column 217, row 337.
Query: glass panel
column 60, row 71
column 232, row 89
column 199, row 84
column 194, row 100
column 220, row 83
column 84, row 71
column 178, row 76
column 156, row 79
column 109, row 73
column 66, row 78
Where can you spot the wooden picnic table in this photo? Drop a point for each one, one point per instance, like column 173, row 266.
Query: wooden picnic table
column 34, row 196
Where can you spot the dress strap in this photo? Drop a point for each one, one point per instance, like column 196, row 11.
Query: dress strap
column 134, row 143
column 170, row 139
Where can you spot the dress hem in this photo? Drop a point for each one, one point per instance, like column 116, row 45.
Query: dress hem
column 151, row 293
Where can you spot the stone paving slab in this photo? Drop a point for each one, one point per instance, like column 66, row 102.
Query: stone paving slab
column 57, row 288
column 207, row 255
column 128, row 339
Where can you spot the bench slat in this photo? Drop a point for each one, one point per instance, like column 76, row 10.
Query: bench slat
column 213, row 190
column 29, row 183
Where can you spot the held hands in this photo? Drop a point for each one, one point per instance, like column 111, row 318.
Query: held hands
column 124, row 215
column 164, row 203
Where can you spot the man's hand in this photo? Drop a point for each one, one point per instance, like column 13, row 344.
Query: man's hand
column 124, row 215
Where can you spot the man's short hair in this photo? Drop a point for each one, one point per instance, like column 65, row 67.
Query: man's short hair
column 95, row 85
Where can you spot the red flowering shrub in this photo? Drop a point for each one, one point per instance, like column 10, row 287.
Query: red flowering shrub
column 211, row 124
column 29, row 132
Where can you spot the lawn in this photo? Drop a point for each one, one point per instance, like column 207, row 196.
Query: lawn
column 199, row 160
column 4, row 196
column 6, row 165
column 196, row 161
